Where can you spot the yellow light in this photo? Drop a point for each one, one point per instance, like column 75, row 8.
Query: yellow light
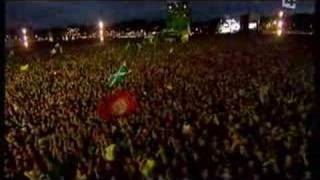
column 101, row 31
column 280, row 14
column 26, row 44
column 279, row 32
column 101, row 24
column 280, row 23
column 24, row 31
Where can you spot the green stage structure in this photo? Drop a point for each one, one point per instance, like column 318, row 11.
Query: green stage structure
column 178, row 21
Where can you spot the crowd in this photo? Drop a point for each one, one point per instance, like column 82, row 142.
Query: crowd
column 208, row 109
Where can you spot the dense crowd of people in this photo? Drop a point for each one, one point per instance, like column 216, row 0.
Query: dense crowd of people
column 208, row 109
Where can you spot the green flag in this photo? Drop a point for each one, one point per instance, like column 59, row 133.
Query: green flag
column 24, row 67
column 109, row 152
column 148, row 167
column 162, row 154
column 118, row 77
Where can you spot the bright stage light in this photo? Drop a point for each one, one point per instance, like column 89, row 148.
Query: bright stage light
column 280, row 14
column 26, row 44
column 229, row 26
column 289, row 4
column 101, row 24
column 24, row 31
column 279, row 32
column 101, row 31
column 253, row 25
column 25, row 38
column 280, row 24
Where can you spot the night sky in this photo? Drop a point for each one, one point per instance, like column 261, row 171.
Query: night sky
column 43, row 14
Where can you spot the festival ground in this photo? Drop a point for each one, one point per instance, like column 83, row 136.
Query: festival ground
column 215, row 107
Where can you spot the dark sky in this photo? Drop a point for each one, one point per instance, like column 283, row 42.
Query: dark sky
column 41, row 14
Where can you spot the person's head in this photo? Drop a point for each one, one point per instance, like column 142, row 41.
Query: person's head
column 18, row 165
column 25, row 164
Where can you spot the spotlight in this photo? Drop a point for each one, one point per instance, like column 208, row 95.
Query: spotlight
column 24, row 31
column 280, row 14
column 279, row 32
